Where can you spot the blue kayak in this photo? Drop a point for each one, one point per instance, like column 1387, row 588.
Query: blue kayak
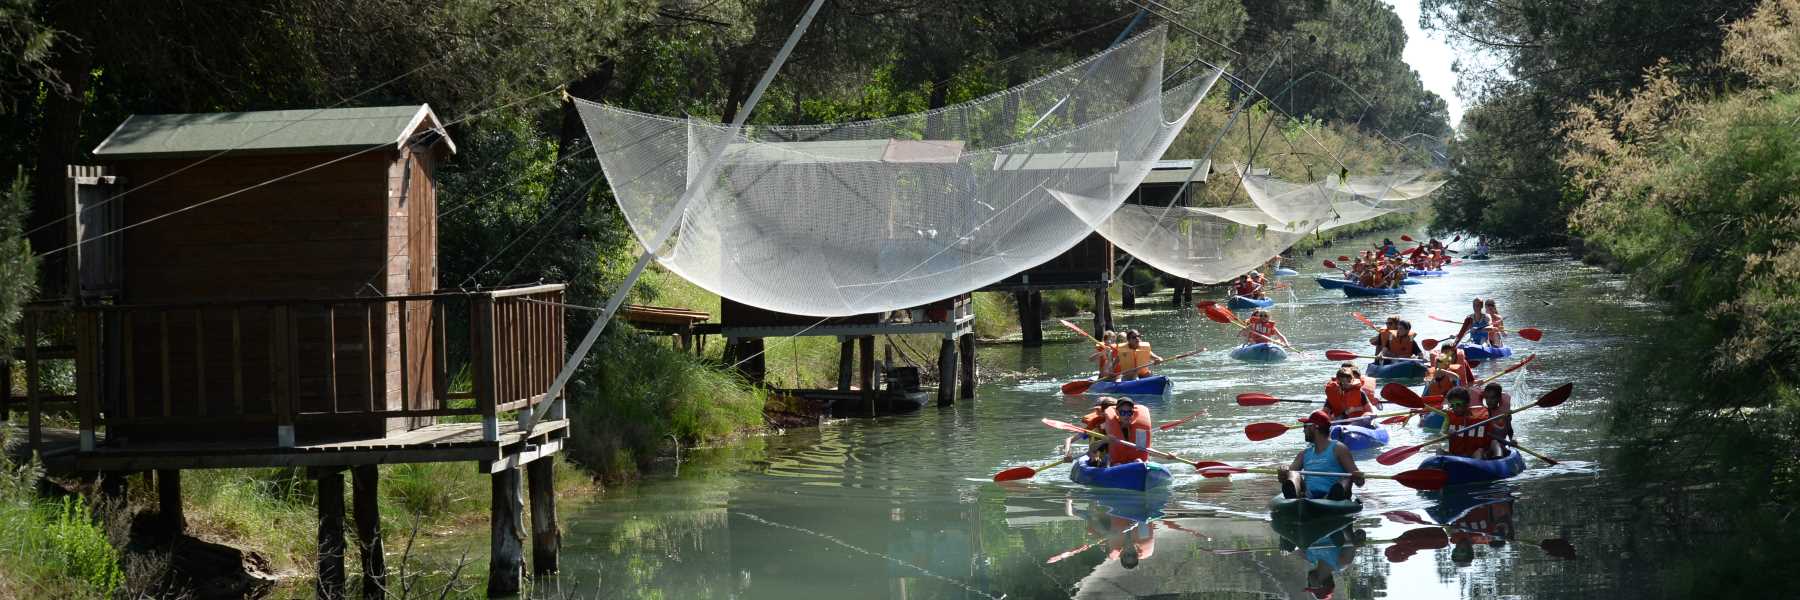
column 1301, row 509
column 1263, row 352
column 1285, row 272
column 1396, row 370
column 1431, row 273
column 1331, row 283
column 1154, row 385
column 1136, row 476
column 1483, row 352
column 1478, row 257
column 1410, row 282
column 1357, row 291
column 1243, row 303
column 1475, row 470
column 1361, row 435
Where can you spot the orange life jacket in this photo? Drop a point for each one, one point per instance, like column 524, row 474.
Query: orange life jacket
column 1381, row 337
column 1439, row 387
column 1343, row 404
column 1136, row 432
column 1134, row 359
column 1262, row 326
column 1457, row 363
column 1400, row 346
column 1469, row 443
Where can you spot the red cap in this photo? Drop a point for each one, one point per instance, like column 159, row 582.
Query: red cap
column 1320, row 418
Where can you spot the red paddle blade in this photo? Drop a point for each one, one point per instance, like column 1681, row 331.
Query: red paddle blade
column 1339, row 355
column 1070, row 553
column 1256, row 399
column 1208, row 464
column 1424, row 479
column 1222, row 471
column 1264, row 431
column 1203, row 304
column 1428, row 343
column 1405, row 238
column 1424, row 538
column 1360, row 317
column 1015, row 474
column 1557, row 396
column 1330, row 265
column 1343, row 258
column 1398, row 393
column 1218, row 313
column 1063, row 426
column 1532, row 333
column 1396, row 419
column 1393, row 457
column 1077, row 388
column 1401, row 516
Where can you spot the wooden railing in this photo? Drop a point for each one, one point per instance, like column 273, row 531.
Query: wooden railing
column 311, row 369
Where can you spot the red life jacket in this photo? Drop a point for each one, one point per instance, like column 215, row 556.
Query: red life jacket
column 1344, row 404
column 1136, row 432
column 1469, row 443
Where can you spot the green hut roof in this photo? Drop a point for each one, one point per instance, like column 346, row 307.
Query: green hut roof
column 269, row 131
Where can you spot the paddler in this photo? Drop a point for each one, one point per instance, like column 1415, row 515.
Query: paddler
column 1496, row 324
column 1094, row 420
column 1465, row 441
column 1440, row 384
column 1248, row 287
column 1500, row 430
column 1346, row 396
column 1399, row 343
column 1450, row 358
column 1481, row 247
column 1262, row 283
column 1106, row 353
column 1322, row 455
column 1129, row 422
column 1260, row 328
column 1385, row 333
column 1134, row 357
column 1478, row 324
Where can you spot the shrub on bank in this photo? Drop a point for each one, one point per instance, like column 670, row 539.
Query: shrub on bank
column 50, row 548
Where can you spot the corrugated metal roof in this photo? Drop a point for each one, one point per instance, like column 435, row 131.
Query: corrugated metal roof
column 271, row 131
column 1176, row 171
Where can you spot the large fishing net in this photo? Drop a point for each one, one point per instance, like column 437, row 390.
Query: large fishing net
column 1214, row 244
column 871, row 216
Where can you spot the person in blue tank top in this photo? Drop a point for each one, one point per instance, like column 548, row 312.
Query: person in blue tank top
column 1322, row 455
column 1478, row 325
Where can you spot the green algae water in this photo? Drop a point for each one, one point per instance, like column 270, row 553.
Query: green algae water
column 904, row 507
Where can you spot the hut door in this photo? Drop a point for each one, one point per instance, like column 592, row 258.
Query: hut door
column 97, row 259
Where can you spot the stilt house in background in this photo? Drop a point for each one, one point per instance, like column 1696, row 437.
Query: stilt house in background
column 261, row 290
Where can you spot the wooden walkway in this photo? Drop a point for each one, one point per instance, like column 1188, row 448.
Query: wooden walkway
column 434, row 443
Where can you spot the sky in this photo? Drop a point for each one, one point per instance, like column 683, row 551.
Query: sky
column 1430, row 56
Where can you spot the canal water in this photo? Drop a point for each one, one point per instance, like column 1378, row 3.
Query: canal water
column 904, row 506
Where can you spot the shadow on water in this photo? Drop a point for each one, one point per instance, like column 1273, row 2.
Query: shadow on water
column 1652, row 497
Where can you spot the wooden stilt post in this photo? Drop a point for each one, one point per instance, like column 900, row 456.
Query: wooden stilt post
column 330, row 585
column 506, row 564
column 866, row 347
column 1102, row 309
column 1127, row 296
column 168, row 501
column 756, row 363
column 968, row 365
column 846, row 363
column 1031, row 318
column 366, row 501
column 947, row 371
column 546, row 539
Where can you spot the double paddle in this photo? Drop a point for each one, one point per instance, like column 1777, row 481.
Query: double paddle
column 1418, row 479
column 1080, row 386
column 1220, row 314
column 1557, row 547
column 1548, row 400
column 1113, row 440
column 1530, row 333
column 1269, row 430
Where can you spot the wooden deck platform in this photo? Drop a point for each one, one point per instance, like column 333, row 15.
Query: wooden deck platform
column 442, row 442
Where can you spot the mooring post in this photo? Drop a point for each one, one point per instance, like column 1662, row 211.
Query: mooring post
column 1031, row 318
column 506, row 564
column 1102, row 310
column 546, row 539
column 846, row 362
column 365, row 499
column 947, row 371
column 968, row 365
column 1127, row 296
column 168, row 501
column 866, row 347
column 330, row 585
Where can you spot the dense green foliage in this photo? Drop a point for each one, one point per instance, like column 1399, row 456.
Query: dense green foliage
column 50, row 547
column 1532, row 61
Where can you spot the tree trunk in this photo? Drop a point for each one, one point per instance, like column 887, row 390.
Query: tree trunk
column 58, row 146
